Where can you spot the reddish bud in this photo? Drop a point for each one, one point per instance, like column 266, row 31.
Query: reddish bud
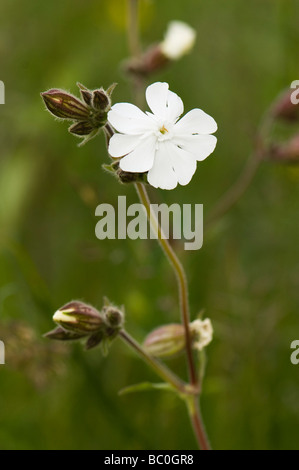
column 81, row 128
column 151, row 61
column 100, row 100
column 79, row 318
column 64, row 105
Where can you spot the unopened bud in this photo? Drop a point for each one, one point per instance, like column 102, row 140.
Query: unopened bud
column 79, row 318
column 100, row 100
column 64, row 105
column 81, row 128
column 114, row 317
column 165, row 341
column 151, row 61
column 89, row 115
column 85, row 93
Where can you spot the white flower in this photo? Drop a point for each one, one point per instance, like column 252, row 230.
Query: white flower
column 179, row 40
column 203, row 332
column 159, row 143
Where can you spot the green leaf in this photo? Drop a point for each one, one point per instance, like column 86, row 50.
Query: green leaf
column 145, row 386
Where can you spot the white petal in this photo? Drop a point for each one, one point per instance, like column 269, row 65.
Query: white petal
column 162, row 174
column 129, row 119
column 122, row 144
column 195, row 122
column 179, row 39
column 141, row 159
column 201, row 146
column 183, row 163
column 175, row 107
column 156, row 97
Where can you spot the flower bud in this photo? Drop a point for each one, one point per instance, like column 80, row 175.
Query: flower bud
column 81, row 128
column 100, row 100
column 64, row 105
column 168, row 340
column 79, row 318
column 114, row 317
column 89, row 115
column 151, row 61
column 85, row 93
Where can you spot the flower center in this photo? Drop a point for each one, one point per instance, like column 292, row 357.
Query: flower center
column 163, row 130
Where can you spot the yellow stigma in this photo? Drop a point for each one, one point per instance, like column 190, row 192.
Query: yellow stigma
column 163, row 130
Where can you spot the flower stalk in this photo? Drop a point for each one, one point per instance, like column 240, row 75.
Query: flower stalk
column 195, row 417
column 180, row 275
column 197, row 423
column 160, row 369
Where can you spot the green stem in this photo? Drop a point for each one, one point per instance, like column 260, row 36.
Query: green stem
column 166, row 374
column 197, row 423
column 180, row 275
column 133, row 33
column 134, row 44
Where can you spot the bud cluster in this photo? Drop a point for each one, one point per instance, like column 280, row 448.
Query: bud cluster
column 77, row 320
column 89, row 114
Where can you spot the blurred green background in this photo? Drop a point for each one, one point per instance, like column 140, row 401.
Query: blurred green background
column 246, row 276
